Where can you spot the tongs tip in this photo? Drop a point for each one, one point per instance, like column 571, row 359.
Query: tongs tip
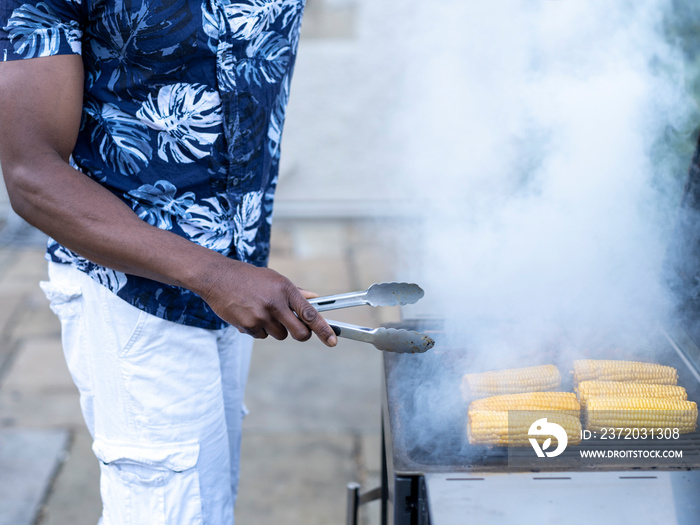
column 403, row 341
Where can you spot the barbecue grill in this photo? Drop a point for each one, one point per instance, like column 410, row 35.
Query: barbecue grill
column 442, row 480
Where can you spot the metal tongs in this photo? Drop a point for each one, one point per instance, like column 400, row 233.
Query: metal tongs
column 382, row 294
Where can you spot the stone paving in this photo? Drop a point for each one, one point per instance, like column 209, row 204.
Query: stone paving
column 314, row 421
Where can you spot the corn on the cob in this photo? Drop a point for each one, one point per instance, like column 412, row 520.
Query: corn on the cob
column 488, row 427
column 636, row 412
column 560, row 402
column 587, row 389
column 510, row 381
column 608, row 370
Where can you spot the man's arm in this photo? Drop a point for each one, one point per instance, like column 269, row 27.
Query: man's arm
column 40, row 110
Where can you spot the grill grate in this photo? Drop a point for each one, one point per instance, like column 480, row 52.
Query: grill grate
column 443, row 446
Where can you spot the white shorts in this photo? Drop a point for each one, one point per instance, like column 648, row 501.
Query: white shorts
column 162, row 401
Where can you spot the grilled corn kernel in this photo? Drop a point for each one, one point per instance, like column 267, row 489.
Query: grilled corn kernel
column 609, row 370
column 587, row 389
column 510, row 381
column 488, row 427
column 561, row 402
column 636, row 412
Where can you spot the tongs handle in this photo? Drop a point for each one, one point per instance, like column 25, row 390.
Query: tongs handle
column 350, row 331
column 341, row 300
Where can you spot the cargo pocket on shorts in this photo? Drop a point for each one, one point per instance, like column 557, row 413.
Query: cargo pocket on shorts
column 66, row 301
column 149, row 484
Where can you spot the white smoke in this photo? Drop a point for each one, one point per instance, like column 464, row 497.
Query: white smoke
column 529, row 129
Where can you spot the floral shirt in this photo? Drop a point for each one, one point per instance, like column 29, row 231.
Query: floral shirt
column 184, row 104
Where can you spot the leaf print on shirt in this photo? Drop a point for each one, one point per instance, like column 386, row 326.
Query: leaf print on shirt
column 274, row 132
column 188, row 117
column 122, row 139
column 61, row 253
column 210, row 225
column 247, row 133
column 246, row 21
column 138, row 38
column 112, row 279
column 246, row 223
column 266, row 60
column 36, row 31
column 226, row 67
column 292, row 17
column 213, row 20
column 269, row 200
column 156, row 204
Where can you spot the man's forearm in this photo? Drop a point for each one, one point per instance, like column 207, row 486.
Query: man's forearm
column 87, row 218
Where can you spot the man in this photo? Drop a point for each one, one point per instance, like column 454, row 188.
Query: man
column 143, row 137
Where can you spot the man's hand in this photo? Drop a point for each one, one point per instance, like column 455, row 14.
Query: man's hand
column 261, row 302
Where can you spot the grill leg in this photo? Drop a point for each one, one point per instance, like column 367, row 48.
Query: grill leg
column 355, row 499
column 353, row 503
column 384, row 520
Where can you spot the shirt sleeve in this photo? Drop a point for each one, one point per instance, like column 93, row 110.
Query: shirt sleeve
column 32, row 28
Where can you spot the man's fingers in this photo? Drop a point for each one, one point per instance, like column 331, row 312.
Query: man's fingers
column 311, row 318
column 308, row 313
column 257, row 333
column 276, row 330
column 298, row 330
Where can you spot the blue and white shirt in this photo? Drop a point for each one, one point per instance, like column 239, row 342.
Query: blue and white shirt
column 182, row 119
